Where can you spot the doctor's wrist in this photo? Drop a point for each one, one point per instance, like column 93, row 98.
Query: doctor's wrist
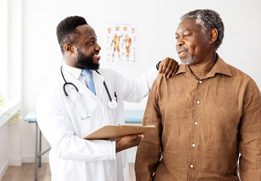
column 157, row 65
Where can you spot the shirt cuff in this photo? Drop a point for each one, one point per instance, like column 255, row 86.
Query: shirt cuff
column 113, row 143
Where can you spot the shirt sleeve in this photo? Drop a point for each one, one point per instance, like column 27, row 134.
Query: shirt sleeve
column 59, row 131
column 250, row 134
column 136, row 90
column 148, row 152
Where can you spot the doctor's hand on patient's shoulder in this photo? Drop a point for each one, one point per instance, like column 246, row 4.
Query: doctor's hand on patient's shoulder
column 168, row 67
column 129, row 141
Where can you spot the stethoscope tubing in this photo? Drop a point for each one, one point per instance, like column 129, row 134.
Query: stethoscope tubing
column 69, row 83
column 107, row 91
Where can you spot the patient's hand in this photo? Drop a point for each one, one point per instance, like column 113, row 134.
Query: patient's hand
column 168, row 67
column 129, row 141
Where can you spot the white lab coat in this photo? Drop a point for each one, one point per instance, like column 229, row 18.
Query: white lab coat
column 71, row 157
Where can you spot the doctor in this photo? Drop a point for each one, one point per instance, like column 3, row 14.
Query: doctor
column 80, row 99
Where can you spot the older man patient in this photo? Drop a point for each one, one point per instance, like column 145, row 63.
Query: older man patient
column 206, row 115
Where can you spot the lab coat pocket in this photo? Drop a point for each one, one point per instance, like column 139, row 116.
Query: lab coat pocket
column 115, row 115
column 82, row 105
column 72, row 173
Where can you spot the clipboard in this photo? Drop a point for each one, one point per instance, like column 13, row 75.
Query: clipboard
column 114, row 133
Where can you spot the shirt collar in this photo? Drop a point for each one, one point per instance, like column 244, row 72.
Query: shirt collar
column 220, row 67
column 75, row 72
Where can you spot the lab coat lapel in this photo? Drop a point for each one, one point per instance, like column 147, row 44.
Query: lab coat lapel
column 98, row 82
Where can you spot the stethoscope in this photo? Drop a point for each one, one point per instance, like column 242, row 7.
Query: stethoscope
column 111, row 104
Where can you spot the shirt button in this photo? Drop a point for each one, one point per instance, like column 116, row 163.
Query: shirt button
column 193, row 145
column 191, row 166
column 198, row 102
column 200, row 81
column 196, row 123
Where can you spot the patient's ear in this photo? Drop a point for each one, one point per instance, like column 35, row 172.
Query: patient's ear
column 213, row 34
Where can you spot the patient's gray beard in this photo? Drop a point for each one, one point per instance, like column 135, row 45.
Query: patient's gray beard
column 190, row 59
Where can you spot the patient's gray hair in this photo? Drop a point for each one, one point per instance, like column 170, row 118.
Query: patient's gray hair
column 208, row 19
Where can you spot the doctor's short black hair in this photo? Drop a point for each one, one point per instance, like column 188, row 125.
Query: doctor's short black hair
column 66, row 30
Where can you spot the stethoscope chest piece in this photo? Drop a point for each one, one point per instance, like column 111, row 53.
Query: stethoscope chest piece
column 112, row 104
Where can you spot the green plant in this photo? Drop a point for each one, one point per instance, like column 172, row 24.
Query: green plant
column 4, row 110
column 2, row 101
column 2, row 104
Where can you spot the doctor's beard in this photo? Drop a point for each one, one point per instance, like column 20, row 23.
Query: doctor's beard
column 86, row 62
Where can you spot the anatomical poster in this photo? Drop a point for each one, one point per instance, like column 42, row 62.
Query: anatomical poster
column 121, row 44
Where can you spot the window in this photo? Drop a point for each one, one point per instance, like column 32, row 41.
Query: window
column 3, row 46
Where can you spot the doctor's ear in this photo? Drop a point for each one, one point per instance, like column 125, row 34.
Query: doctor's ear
column 68, row 48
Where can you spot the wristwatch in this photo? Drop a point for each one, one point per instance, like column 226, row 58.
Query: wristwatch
column 157, row 65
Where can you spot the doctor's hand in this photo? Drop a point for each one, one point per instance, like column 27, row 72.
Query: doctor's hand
column 168, row 67
column 129, row 141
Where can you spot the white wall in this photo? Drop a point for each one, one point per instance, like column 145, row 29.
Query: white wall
column 41, row 55
column 4, row 160
column 10, row 80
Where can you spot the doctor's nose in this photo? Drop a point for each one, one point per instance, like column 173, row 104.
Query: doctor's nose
column 97, row 47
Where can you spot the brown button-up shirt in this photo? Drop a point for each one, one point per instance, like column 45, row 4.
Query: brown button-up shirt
column 202, row 126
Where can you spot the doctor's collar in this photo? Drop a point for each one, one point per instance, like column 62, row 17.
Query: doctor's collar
column 75, row 72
